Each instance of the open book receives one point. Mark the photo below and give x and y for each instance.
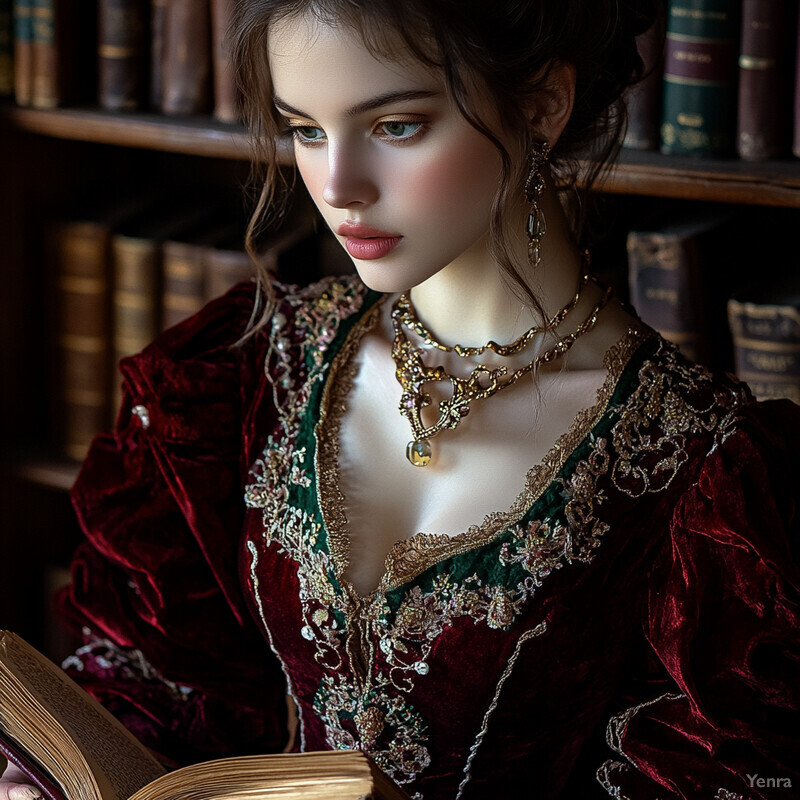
(74, 749)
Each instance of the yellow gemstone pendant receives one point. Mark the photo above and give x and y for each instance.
(419, 453)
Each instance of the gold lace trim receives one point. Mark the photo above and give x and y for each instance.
(326, 432)
(410, 557)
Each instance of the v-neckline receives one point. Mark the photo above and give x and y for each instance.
(410, 557)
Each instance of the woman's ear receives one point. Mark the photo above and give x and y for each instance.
(550, 104)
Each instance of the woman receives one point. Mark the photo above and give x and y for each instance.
(557, 565)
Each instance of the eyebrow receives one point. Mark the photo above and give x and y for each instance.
(364, 105)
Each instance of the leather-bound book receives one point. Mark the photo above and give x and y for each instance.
(764, 92)
(45, 90)
(137, 264)
(22, 13)
(184, 266)
(122, 54)
(84, 327)
(226, 104)
(700, 74)
(89, 747)
(6, 44)
(63, 55)
(765, 323)
(158, 13)
(135, 258)
(81, 248)
(80, 251)
(673, 283)
(643, 99)
(186, 62)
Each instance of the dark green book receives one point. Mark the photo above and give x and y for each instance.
(700, 78)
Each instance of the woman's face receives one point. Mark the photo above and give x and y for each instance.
(401, 178)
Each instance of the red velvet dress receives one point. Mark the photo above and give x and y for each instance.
(629, 627)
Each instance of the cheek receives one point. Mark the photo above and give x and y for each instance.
(458, 184)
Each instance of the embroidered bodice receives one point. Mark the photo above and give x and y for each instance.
(600, 636)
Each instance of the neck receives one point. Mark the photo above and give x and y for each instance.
(471, 301)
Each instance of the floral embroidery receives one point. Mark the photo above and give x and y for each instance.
(673, 399)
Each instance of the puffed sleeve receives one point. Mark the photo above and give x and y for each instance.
(169, 647)
(717, 716)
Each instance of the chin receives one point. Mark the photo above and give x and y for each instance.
(387, 280)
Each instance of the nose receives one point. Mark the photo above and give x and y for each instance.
(350, 181)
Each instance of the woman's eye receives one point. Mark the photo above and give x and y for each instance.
(307, 133)
(400, 130)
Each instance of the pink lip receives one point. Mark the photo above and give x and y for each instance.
(359, 231)
(365, 242)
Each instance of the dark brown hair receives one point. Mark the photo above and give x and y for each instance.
(508, 45)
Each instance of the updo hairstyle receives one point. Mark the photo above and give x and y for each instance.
(508, 45)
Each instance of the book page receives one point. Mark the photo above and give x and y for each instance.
(327, 775)
(65, 729)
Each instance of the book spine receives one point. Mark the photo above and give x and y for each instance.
(121, 54)
(23, 51)
(766, 345)
(225, 94)
(763, 101)
(45, 67)
(136, 267)
(158, 11)
(6, 46)
(184, 281)
(186, 66)
(83, 289)
(663, 290)
(700, 73)
(643, 100)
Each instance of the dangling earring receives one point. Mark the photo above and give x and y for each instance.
(534, 186)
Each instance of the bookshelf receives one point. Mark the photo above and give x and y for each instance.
(198, 136)
(771, 183)
(647, 173)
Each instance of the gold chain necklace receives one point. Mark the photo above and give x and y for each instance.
(403, 311)
(413, 374)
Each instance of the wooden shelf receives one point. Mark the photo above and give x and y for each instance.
(200, 136)
(768, 183)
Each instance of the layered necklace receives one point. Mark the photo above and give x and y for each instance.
(413, 374)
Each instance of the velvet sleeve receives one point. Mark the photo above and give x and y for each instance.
(169, 646)
(717, 715)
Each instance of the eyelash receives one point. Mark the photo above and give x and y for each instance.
(293, 129)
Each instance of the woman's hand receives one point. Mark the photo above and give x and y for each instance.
(14, 786)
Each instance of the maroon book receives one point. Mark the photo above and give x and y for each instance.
(186, 61)
(226, 105)
(764, 99)
(121, 54)
(158, 11)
